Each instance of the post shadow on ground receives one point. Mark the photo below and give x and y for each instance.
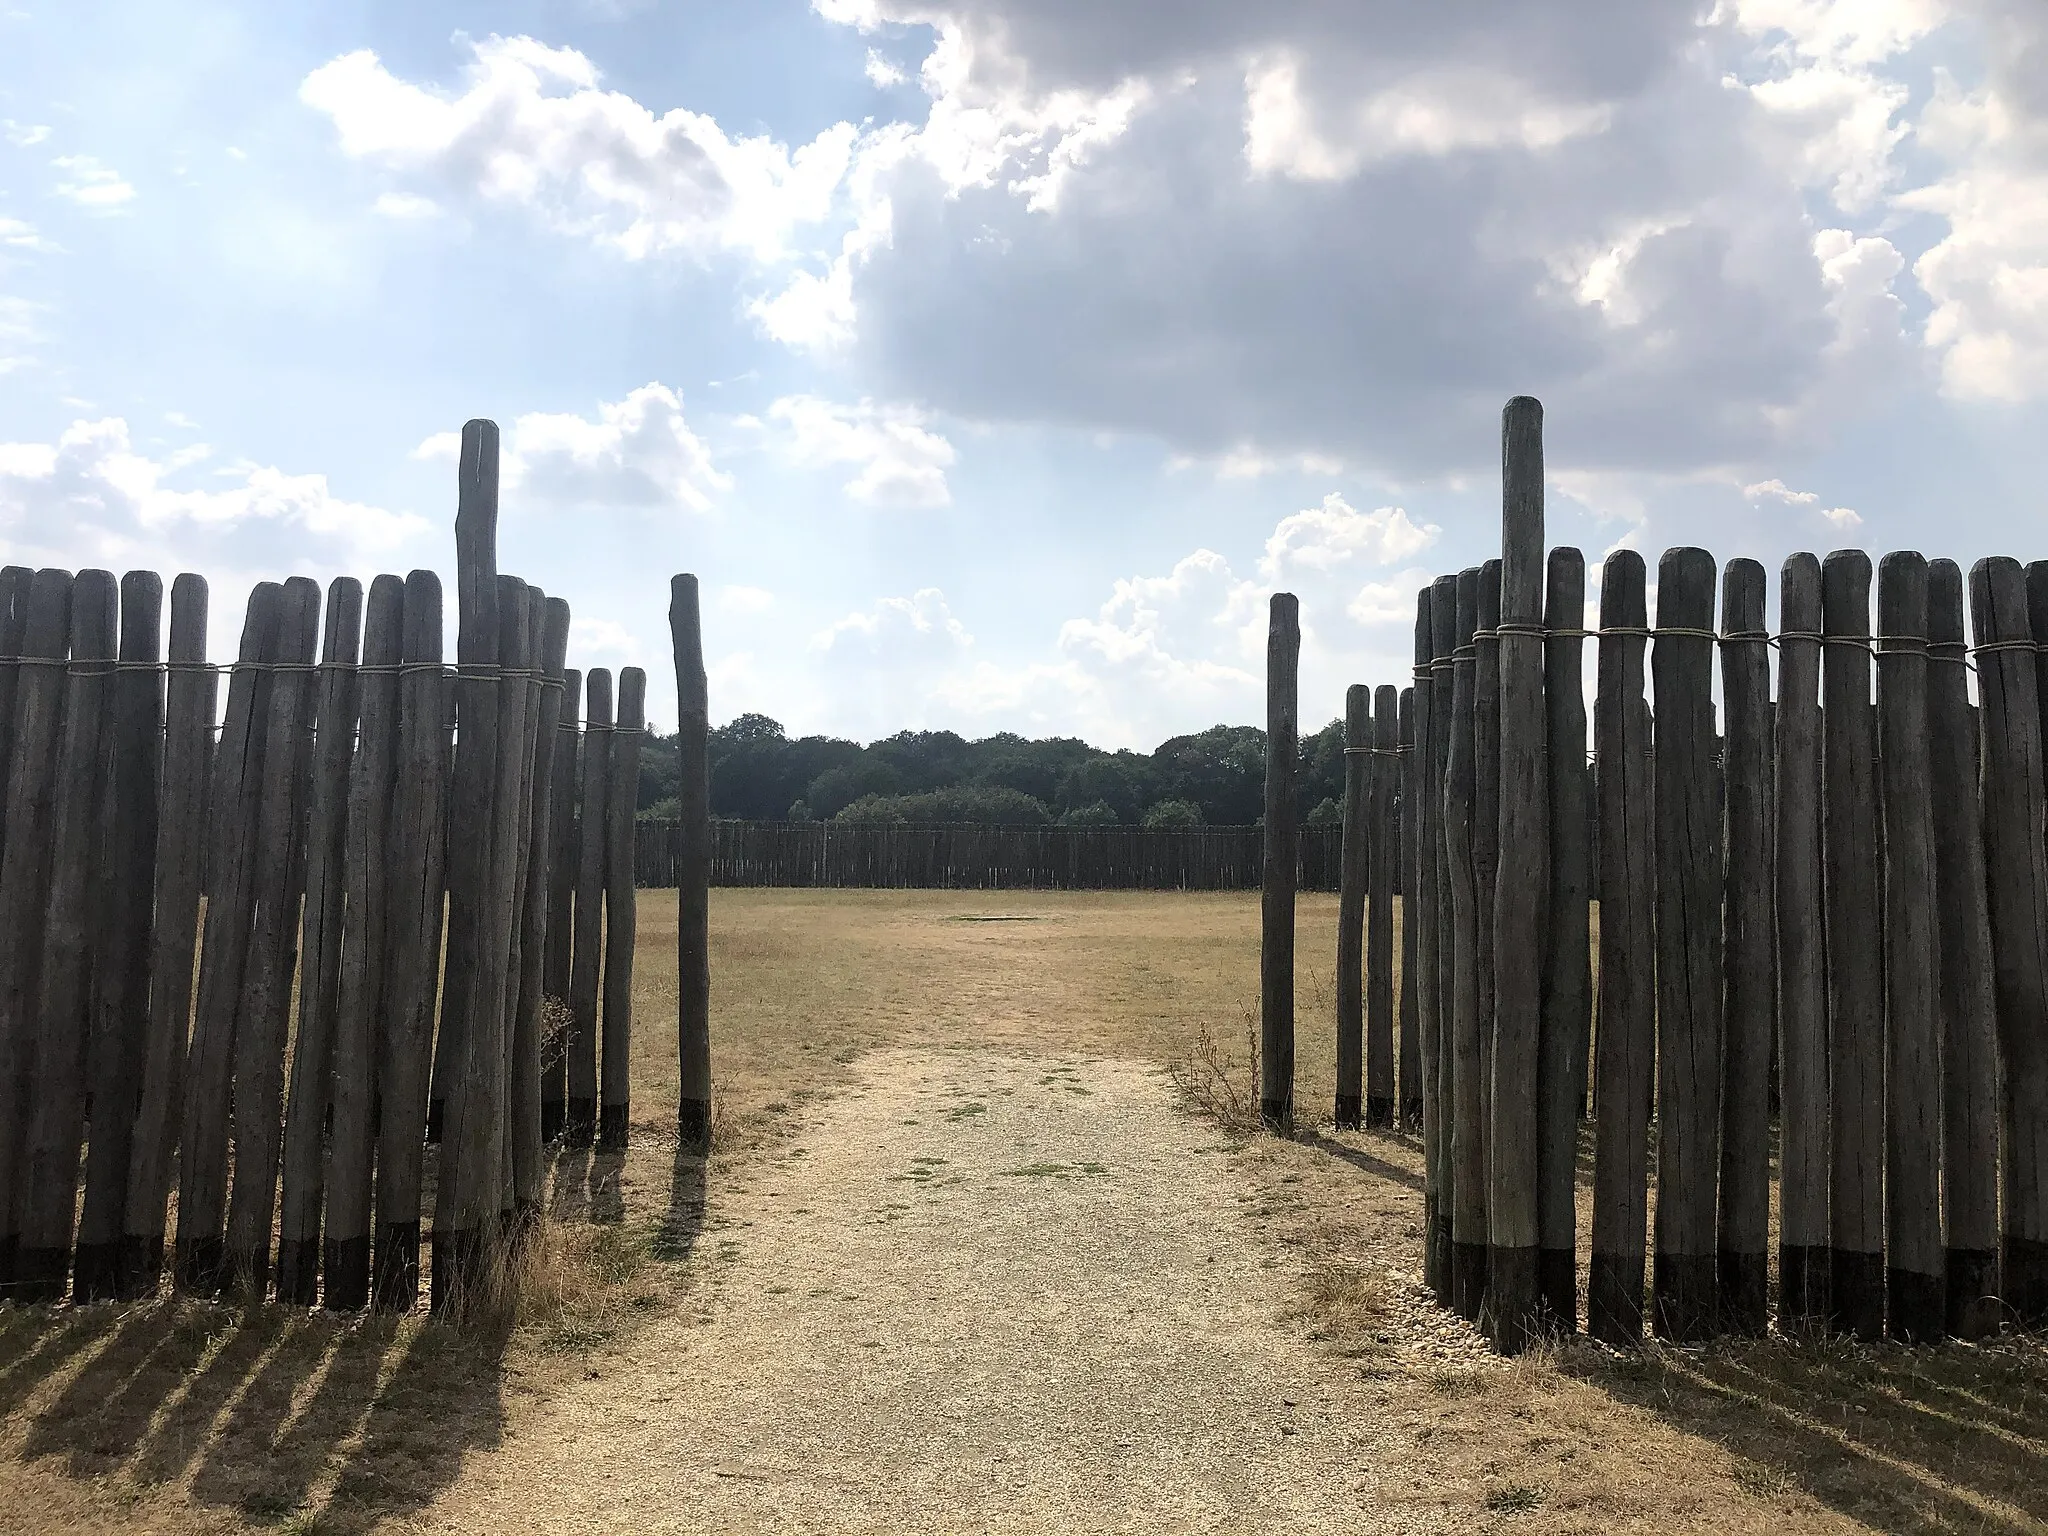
(1361, 1158)
(606, 1198)
(684, 1220)
(1901, 1439)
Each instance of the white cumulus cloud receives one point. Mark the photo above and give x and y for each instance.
(901, 461)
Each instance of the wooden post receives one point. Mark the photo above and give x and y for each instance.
(1969, 1059)
(1567, 969)
(415, 881)
(1443, 619)
(2015, 798)
(1379, 925)
(1803, 1157)
(1276, 908)
(1689, 952)
(263, 1015)
(588, 960)
(1468, 1084)
(1485, 833)
(563, 862)
(25, 883)
(520, 696)
(693, 872)
(133, 750)
(529, 1171)
(1521, 894)
(1419, 916)
(1405, 811)
(57, 1120)
(15, 584)
(192, 695)
(1750, 983)
(1628, 962)
(1357, 856)
(314, 1055)
(371, 785)
(622, 796)
(1916, 1308)
(1855, 954)
(232, 846)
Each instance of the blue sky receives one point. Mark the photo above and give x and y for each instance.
(992, 360)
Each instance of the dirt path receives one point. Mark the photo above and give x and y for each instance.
(979, 1292)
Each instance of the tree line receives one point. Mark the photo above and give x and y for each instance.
(1211, 778)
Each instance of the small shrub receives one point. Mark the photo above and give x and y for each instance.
(1174, 813)
(1218, 1085)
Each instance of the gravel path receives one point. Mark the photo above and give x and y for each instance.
(980, 1292)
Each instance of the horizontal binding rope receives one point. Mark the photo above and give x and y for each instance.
(1901, 645)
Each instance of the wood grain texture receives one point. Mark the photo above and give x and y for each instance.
(693, 883)
(1568, 960)
(1351, 902)
(622, 798)
(1420, 917)
(563, 861)
(1410, 794)
(529, 1171)
(1276, 902)
(1468, 1081)
(587, 962)
(1383, 818)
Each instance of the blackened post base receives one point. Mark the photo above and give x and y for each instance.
(1684, 1297)
(398, 1266)
(553, 1112)
(141, 1262)
(1350, 1114)
(10, 1251)
(40, 1275)
(1514, 1304)
(347, 1266)
(1379, 1113)
(1614, 1299)
(96, 1272)
(1468, 1279)
(1856, 1294)
(1434, 1274)
(298, 1271)
(1557, 1276)
(1974, 1310)
(458, 1265)
(1277, 1116)
(693, 1126)
(2025, 1278)
(1916, 1310)
(580, 1129)
(202, 1266)
(611, 1130)
(248, 1274)
(1802, 1287)
(1745, 1292)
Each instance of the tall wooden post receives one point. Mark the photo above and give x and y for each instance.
(1351, 900)
(622, 796)
(1521, 895)
(1628, 962)
(1419, 916)
(1851, 827)
(416, 881)
(693, 870)
(2015, 799)
(313, 1056)
(1750, 982)
(1379, 923)
(1916, 1308)
(528, 1072)
(1443, 619)
(1969, 1059)
(587, 962)
(1567, 968)
(24, 885)
(372, 788)
(519, 696)
(1468, 1082)
(134, 751)
(192, 694)
(1803, 1157)
(263, 1014)
(15, 584)
(1276, 911)
(1689, 952)
(1410, 1023)
(564, 860)
(1485, 831)
(57, 1121)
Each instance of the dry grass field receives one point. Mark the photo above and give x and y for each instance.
(963, 1259)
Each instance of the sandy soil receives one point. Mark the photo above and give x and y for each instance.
(980, 1292)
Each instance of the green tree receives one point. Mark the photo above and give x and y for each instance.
(1174, 813)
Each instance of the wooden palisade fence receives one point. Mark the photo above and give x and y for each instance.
(350, 856)
(1831, 907)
